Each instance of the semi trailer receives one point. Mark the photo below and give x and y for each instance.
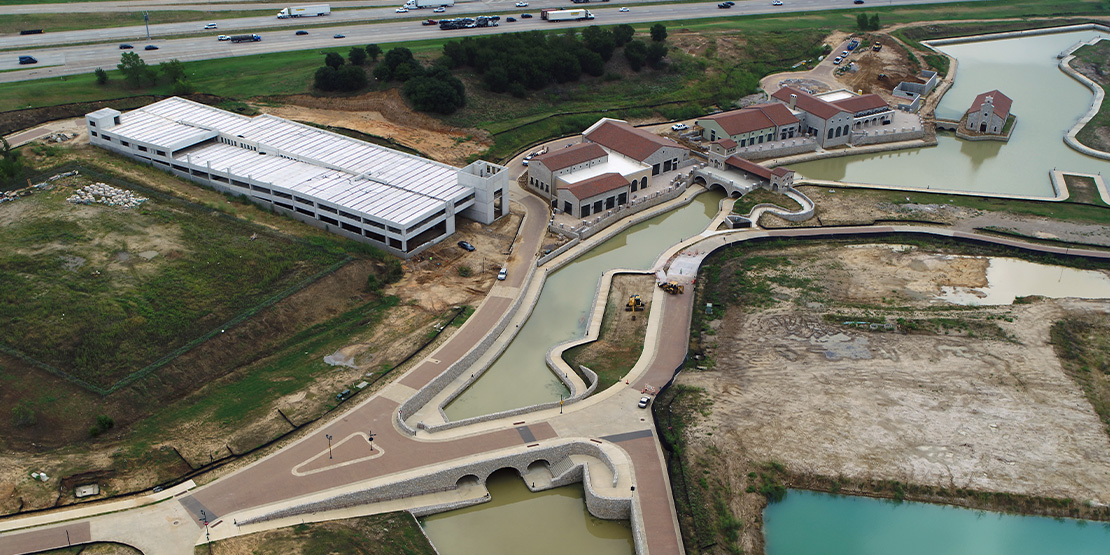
(314, 10)
(565, 15)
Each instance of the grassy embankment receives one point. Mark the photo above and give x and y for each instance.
(384, 534)
(198, 234)
(57, 22)
(1098, 55)
(690, 86)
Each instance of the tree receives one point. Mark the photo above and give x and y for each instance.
(636, 53)
(658, 32)
(623, 33)
(101, 76)
(397, 56)
(373, 51)
(134, 70)
(599, 40)
(351, 78)
(326, 78)
(382, 73)
(497, 79)
(874, 22)
(437, 91)
(861, 22)
(11, 164)
(357, 56)
(656, 51)
(333, 60)
(173, 70)
(592, 63)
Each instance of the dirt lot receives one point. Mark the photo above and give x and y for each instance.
(988, 409)
(622, 335)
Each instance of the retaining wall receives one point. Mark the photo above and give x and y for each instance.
(1096, 103)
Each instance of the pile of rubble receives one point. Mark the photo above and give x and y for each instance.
(102, 193)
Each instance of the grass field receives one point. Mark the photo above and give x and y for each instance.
(80, 296)
(56, 22)
(1098, 55)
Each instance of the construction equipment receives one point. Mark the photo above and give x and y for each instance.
(634, 304)
(671, 287)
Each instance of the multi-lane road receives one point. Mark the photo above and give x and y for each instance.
(78, 52)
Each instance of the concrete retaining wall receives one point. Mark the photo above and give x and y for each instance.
(1016, 34)
(444, 480)
(761, 151)
(551, 255)
(887, 136)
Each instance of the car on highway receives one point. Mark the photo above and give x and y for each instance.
(522, 4)
(623, 9)
(302, 32)
(223, 37)
(125, 47)
(440, 9)
(857, 1)
(504, 273)
(644, 402)
(679, 127)
(776, 3)
(150, 47)
(526, 15)
(429, 22)
(466, 246)
(510, 19)
(210, 26)
(724, 5)
(339, 36)
(24, 60)
(401, 10)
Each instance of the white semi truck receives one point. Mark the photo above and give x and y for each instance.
(305, 11)
(417, 4)
(566, 15)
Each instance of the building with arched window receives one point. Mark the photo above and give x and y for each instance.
(988, 113)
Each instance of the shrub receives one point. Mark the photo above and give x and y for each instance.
(658, 32)
(464, 270)
(357, 56)
(23, 414)
(101, 76)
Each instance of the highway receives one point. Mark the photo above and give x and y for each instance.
(57, 59)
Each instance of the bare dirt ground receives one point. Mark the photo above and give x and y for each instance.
(622, 336)
(988, 412)
(384, 114)
(377, 534)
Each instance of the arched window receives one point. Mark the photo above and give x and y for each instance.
(830, 132)
(838, 131)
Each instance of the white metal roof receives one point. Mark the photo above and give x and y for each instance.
(364, 177)
(616, 163)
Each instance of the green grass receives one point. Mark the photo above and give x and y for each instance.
(107, 317)
(612, 355)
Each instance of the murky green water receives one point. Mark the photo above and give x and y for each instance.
(519, 521)
(1046, 101)
(520, 377)
(1009, 278)
(816, 523)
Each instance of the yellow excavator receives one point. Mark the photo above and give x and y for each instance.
(634, 304)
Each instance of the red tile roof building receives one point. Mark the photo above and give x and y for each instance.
(660, 153)
(752, 125)
(830, 124)
(988, 113)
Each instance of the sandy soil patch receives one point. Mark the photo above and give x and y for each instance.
(385, 114)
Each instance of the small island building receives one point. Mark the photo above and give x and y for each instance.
(988, 113)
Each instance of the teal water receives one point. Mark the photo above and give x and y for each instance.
(1047, 103)
(818, 523)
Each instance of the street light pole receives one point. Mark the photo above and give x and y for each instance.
(146, 20)
(329, 444)
(370, 437)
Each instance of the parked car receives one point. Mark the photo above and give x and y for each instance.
(522, 4)
(844, 54)
(125, 47)
(526, 15)
(623, 9)
(302, 32)
(644, 402)
(466, 246)
(440, 9)
(223, 37)
(401, 10)
(679, 127)
(150, 47)
(210, 26)
(510, 19)
(339, 36)
(837, 60)
(24, 60)
(504, 273)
